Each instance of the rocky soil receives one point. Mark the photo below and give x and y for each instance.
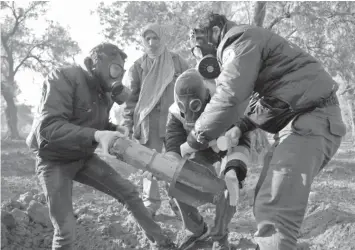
(103, 223)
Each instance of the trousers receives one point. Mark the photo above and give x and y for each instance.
(301, 150)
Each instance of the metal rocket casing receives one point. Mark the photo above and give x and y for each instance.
(190, 182)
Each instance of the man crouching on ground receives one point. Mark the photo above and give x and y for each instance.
(71, 121)
(191, 97)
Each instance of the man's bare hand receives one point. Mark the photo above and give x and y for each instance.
(105, 139)
(186, 150)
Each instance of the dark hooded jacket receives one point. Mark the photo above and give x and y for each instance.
(254, 59)
(72, 108)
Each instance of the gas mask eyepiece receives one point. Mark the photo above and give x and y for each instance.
(116, 71)
(195, 105)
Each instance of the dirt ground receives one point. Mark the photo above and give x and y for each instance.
(103, 223)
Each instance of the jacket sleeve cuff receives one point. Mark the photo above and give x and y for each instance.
(111, 127)
(246, 125)
(90, 137)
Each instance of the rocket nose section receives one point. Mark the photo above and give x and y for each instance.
(196, 184)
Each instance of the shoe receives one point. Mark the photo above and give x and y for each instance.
(190, 241)
(222, 244)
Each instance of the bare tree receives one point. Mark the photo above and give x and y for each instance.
(21, 48)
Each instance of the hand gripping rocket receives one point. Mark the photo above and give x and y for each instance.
(241, 153)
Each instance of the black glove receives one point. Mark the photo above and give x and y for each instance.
(240, 169)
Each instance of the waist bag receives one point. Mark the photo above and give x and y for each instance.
(272, 114)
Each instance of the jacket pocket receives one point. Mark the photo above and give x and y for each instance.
(312, 124)
(82, 112)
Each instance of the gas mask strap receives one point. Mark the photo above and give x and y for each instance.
(223, 32)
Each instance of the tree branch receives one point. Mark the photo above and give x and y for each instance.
(17, 23)
(280, 18)
(19, 18)
(28, 55)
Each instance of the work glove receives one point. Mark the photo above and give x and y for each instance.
(186, 150)
(232, 184)
(234, 175)
(105, 138)
(234, 134)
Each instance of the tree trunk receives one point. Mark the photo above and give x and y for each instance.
(351, 106)
(10, 114)
(259, 13)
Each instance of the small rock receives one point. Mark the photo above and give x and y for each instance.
(25, 198)
(312, 197)
(109, 210)
(20, 215)
(85, 218)
(81, 210)
(40, 198)
(7, 219)
(101, 218)
(39, 213)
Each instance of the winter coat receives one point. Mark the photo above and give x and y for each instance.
(134, 80)
(252, 60)
(72, 108)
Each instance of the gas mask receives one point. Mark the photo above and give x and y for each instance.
(191, 107)
(119, 93)
(191, 96)
(205, 52)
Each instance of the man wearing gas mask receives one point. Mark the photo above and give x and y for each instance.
(190, 99)
(71, 121)
(292, 96)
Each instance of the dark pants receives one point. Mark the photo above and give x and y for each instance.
(193, 221)
(301, 150)
(57, 182)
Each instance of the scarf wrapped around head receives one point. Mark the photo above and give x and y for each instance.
(161, 70)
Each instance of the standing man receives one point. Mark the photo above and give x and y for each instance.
(151, 80)
(292, 97)
(71, 121)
